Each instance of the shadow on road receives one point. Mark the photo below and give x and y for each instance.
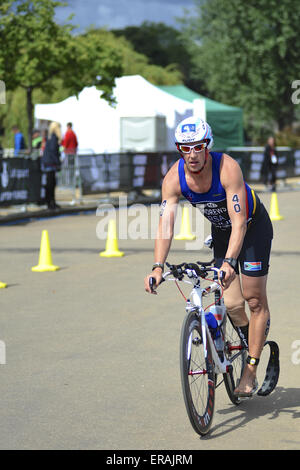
(282, 400)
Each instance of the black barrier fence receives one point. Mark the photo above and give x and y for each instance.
(251, 160)
(126, 172)
(22, 182)
(123, 172)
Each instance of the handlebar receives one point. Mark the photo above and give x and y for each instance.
(178, 271)
(201, 269)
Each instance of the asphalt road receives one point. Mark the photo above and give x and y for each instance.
(92, 361)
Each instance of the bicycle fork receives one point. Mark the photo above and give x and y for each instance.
(221, 367)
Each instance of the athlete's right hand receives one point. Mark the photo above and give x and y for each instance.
(228, 275)
(155, 276)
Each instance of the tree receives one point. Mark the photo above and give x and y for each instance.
(61, 86)
(159, 42)
(136, 63)
(251, 55)
(34, 49)
(164, 47)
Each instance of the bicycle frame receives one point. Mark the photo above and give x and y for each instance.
(196, 305)
(202, 353)
(221, 367)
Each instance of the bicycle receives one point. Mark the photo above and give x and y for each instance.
(209, 348)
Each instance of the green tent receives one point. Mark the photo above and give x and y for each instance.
(226, 121)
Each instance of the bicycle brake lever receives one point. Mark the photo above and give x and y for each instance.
(176, 270)
(195, 267)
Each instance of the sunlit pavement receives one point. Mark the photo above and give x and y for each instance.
(90, 361)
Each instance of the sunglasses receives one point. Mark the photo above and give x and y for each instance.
(188, 148)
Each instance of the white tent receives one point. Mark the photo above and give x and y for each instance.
(97, 124)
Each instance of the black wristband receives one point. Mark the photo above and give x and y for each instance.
(231, 261)
(158, 265)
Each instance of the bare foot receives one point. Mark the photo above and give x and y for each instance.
(248, 383)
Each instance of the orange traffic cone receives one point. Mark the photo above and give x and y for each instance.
(45, 258)
(274, 209)
(111, 248)
(185, 229)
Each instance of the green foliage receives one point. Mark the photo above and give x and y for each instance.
(289, 136)
(164, 47)
(251, 54)
(36, 47)
(135, 63)
(94, 59)
(46, 59)
(13, 113)
(37, 50)
(157, 41)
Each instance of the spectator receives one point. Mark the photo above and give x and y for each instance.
(70, 145)
(270, 163)
(36, 143)
(36, 139)
(51, 163)
(19, 143)
(70, 142)
(44, 140)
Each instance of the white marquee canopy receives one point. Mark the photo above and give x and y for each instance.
(97, 124)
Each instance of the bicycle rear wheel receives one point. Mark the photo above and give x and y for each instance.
(197, 375)
(236, 354)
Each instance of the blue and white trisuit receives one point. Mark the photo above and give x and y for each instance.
(255, 253)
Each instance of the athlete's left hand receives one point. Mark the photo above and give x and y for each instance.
(230, 275)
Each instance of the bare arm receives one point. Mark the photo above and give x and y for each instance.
(170, 197)
(233, 183)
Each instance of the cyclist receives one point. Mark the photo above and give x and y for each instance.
(241, 233)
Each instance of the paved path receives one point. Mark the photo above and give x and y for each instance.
(92, 361)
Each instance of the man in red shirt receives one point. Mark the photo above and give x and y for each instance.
(70, 142)
(70, 145)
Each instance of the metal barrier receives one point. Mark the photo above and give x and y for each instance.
(69, 176)
(66, 176)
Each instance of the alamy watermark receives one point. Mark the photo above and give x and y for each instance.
(2, 92)
(296, 95)
(141, 222)
(2, 353)
(296, 352)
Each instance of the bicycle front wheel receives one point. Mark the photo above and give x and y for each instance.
(197, 375)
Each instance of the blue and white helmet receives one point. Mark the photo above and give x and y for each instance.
(193, 129)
